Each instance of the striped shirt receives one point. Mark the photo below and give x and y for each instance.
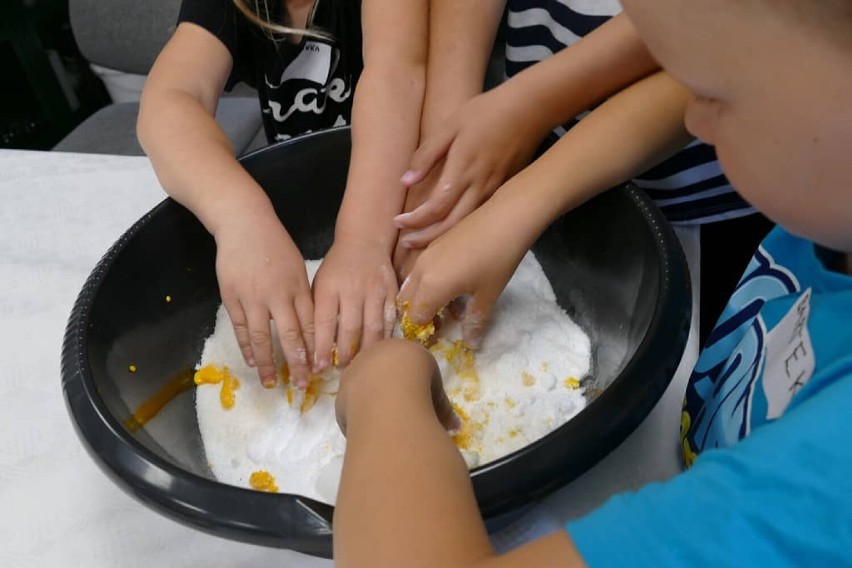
(690, 186)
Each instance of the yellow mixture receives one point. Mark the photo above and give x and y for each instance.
(213, 375)
(262, 480)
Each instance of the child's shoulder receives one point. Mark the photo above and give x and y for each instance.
(780, 340)
(796, 264)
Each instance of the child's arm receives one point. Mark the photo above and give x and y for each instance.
(495, 134)
(261, 273)
(461, 37)
(405, 497)
(357, 282)
(625, 135)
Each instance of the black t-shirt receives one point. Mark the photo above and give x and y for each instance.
(302, 87)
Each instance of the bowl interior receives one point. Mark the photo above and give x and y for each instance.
(609, 263)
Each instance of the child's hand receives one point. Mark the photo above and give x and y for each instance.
(391, 369)
(476, 259)
(261, 276)
(484, 143)
(354, 293)
(405, 257)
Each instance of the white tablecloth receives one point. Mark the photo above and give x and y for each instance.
(59, 214)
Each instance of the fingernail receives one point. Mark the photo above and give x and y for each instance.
(268, 382)
(409, 177)
(251, 362)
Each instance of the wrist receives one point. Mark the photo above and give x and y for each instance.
(235, 211)
(360, 236)
(393, 376)
(513, 98)
(521, 223)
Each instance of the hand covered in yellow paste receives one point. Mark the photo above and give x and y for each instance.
(475, 259)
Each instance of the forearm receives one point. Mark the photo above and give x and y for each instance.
(630, 132)
(571, 81)
(385, 131)
(405, 496)
(193, 159)
(461, 37)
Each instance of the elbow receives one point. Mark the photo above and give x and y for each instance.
(145, 120)
(142, 131)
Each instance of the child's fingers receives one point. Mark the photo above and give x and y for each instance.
(325, 324)
(241, 331)
(305, 314)
(457, 306)
(405, 259)
(389, 315)
(475, 319)
(440, 401)
(261, 343)
(374, 319)
(427, 155)
(435, 208)
(290, 335)
(425, 302)
(349, 330)
(421, 239)
(407, 290)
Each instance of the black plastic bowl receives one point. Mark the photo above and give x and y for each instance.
(614, 263)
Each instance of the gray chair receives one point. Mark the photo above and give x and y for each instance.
(127, 35)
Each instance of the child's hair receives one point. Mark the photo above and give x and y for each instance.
(258, 13)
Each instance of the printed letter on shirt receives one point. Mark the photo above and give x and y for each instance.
(789, 357)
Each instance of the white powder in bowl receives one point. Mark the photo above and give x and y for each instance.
(521, 385)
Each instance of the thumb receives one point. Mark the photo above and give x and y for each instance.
(440, 401)
(430, 152)
(475, 319)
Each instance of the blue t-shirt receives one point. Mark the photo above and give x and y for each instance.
(766, 429)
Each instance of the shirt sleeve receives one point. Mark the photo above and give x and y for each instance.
(782, 496)
(220, 18)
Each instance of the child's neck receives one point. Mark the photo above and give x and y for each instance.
(298, 12)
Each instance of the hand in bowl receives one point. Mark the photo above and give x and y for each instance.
(389, 370)
(478, 148)
(475, 260)
(354, 291)
(261, 277)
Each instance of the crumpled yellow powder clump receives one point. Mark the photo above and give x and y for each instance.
(213, 375)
